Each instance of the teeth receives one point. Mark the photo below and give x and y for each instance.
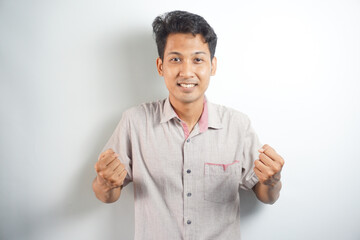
(187, 85)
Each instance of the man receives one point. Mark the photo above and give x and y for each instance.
(186, 157)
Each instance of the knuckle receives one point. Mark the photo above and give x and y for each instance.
(269, 149)
(119, 181)
(104, 174)
(101, 174)
(121, 171)
(123, 175)
(270, 172)
(117, 162)
(277, 168)
(112, 179)
(100, 165)
(282, 161)
(98, 168)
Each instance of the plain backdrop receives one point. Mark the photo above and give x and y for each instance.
(68, 69)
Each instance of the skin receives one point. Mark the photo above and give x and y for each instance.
(187, 61)
(110, 177)
(268, 169)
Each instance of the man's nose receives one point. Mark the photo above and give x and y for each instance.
(186, 69)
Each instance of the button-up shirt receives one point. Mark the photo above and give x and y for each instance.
(186, 184)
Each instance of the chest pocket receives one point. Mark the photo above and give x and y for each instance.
(221, 181)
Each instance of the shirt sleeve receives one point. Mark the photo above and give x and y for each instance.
(250, 154)
(120, 143)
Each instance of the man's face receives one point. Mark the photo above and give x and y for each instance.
(186, 67)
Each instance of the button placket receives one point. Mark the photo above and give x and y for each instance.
(188, 211)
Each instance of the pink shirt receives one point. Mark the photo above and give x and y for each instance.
(186, 185)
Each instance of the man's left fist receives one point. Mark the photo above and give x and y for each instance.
(268, 166)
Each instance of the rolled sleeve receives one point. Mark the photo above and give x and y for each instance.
(120, 143)
(250, 154)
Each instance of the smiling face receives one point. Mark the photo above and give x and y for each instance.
(186, 68)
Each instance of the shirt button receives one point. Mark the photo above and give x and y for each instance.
(188, 171)
(188, 222)
(189, 194)
(188, 140)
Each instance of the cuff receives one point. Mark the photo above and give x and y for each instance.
(250, 183)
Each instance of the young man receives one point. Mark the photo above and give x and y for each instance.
(186, 157)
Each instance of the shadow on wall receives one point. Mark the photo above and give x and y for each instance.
(138, 83)
(145, 83)
(136, 54)
(249, 204)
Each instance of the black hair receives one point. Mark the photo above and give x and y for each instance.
(182, 22)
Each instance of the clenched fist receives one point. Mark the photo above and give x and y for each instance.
(110, 171)
(269, 165)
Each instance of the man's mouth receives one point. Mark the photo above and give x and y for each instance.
(187, 85)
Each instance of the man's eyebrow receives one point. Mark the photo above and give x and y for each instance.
(177, 53)
(199, 53)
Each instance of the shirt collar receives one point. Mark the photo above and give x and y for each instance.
(214, 119)
(168, 112)
(209, 118)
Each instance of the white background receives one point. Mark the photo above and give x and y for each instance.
(68, 70)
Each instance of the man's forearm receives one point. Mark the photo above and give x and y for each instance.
(267, 193)
(104, 193)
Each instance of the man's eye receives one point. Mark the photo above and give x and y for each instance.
(175, 60)
(198, 60)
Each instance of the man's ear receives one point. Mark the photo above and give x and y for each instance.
(213, 66)
(159, 66)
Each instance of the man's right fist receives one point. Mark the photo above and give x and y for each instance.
(110, 171)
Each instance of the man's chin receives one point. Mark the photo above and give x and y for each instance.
(190, 99)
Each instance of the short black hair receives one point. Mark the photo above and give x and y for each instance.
(182, 22)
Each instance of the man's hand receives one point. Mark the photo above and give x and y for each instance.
(110, 171)
(268, 167)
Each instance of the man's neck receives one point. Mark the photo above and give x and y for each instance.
(190, 113)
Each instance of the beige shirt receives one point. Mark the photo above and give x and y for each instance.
(186, 187)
